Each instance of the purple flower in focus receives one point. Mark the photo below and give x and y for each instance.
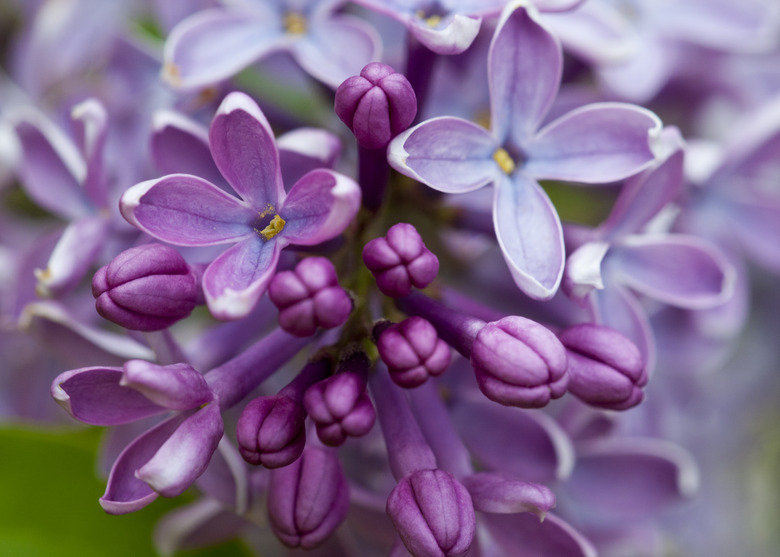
(595, 143)
(187, 210)
(167, 458)
(215, 44)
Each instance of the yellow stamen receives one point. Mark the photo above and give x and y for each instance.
(430, 21)
(294, 23)
(504, 161)
(274, 227)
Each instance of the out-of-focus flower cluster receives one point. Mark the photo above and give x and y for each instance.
(429, 278)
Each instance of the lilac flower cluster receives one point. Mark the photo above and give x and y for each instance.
(422, 269)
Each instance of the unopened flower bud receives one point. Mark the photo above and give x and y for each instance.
(271, 431)
(309, 297)
(606, 369)
(146, 288)
(433, 514)
(376, 105)
(308, 499)
(519, 362)
(412, 351)
(339, 405)
(400, 261)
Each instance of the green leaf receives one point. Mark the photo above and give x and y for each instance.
(50, 504)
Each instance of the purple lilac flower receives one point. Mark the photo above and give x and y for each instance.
(169, 457)
(187, 210)
(679, 270)
(596, 143)
(215, 44)
(478, 452)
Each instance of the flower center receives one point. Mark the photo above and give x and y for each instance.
(504, 160)
(274, 227)
(294, 23)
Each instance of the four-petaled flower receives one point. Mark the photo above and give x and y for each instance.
(597, 143)
(186, 210)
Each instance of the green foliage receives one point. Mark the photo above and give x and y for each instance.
(50, 504)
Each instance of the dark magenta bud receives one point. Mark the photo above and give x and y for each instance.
(308, 499)
(400, 261)
(339, 405)
(271, 431)
(606, 369)
(519, 362)
(376, 105)
(412, 351)
(309, 297)
(146, 288)
(433, 514)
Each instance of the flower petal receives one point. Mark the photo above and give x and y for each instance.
(176, 386)
(454, 36)
(645, 194)
(530, 236)
(617, 308)
(180, 145)
(597, 143)
(84, 342)
(337, 48)
(234, 281)
(524, 72)
(90, 122)
(185, 454)
(305, 149)
(629, 479)
(677, 269)
(212, 45)
(94, 395)
(554, 536)
(320, 206)
(243, 147)
(522, 444)
(187, 211)
(125, 493)
(51, 169)
(448, 154)
(494, 493)
(72, 257)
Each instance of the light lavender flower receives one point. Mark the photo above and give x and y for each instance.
(596, 143)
